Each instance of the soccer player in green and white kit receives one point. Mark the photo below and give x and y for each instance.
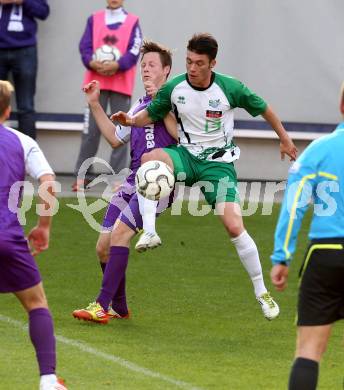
(203, 102)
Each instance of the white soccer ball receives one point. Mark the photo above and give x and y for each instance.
(154, 180)
(106, 53)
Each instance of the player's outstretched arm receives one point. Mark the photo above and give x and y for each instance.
(286, 144)
(106, 127)
(138, 120)
(40, 234)
(171, 125)
(92, 91)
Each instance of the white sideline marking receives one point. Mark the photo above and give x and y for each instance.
(113, 358)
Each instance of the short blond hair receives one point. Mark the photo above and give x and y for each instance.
(6, 90)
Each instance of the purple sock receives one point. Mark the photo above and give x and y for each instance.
(102, 266)
(41, 330)
(119, 301)
(113, 275)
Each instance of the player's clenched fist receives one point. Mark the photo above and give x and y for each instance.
(122, 118)
(92, 91)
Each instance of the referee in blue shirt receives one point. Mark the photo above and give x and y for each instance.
(318, 175)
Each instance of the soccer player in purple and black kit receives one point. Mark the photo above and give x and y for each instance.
(123, 220)
(20, 154)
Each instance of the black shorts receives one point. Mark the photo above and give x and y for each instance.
(321, 294)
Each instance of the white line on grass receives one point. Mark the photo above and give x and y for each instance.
(112, 358)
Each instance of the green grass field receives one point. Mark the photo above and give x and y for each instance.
(195, 324)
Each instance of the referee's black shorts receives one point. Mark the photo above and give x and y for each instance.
(321, 294)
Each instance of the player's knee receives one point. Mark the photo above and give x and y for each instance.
(121, 235)
(152, 155)
(102, 251)
(234, 228)
(146, 157)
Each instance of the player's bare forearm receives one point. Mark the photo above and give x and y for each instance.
(171, 125)
(46, 200)
(270, 116)
(39, 235)
(106, 127)
(138, 120)
(286, 145)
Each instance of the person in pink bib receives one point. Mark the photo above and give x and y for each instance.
(109, 48)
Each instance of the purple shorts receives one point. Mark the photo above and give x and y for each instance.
(18, 269)
(124, 206)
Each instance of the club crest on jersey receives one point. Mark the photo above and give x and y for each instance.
(214, 103)
(181, 100)
(213, 114)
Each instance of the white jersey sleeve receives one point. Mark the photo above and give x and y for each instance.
(36, 165)
(123, 133)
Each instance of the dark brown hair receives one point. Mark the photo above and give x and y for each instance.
(165, 54)
(203, 43)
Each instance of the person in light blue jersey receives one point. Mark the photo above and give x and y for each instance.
(317, 174)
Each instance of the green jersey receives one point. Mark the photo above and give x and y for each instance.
(205, 115)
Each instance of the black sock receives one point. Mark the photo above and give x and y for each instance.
(304, 374)
(103, 266)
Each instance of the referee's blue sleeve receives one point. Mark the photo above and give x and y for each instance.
(296, 201)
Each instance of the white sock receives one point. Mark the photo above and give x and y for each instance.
(248, 254)
(148, 210)
(47, 380)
